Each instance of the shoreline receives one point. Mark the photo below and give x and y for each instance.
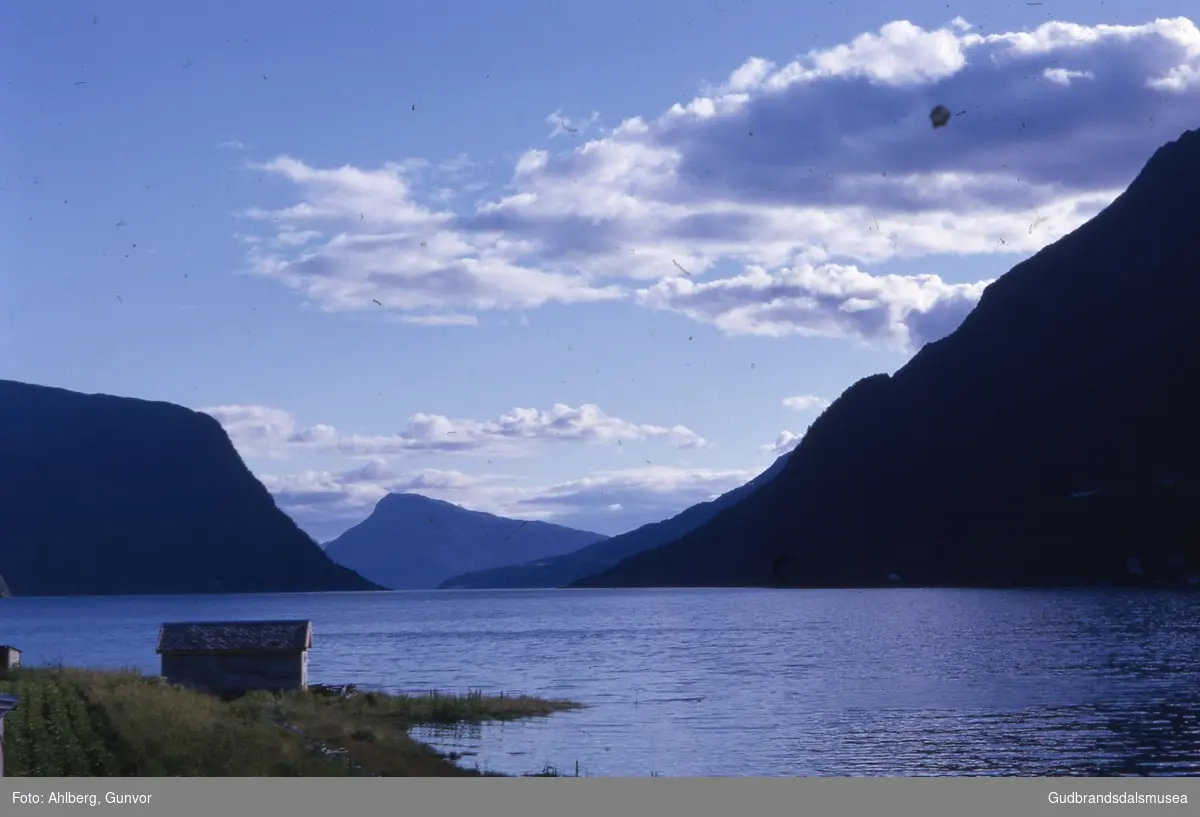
(101, 723)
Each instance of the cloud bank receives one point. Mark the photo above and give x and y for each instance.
(328, 502)
(805, 402)
(760, 205)
(262, 431)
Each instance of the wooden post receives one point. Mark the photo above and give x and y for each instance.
(7, 704)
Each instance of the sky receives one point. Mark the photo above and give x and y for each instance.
(588, 263)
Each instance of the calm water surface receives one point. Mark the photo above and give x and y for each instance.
(737, 682)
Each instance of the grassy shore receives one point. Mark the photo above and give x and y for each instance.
(87, 723)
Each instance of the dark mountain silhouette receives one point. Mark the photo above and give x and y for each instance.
(559, 571)
(1050, 440)
(112, 495)
(412, 542)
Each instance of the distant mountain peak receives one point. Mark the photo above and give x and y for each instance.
(395, 498)
(407, 499)
(411, 541)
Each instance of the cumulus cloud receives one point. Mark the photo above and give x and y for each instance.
(832, 301)
(393, 251)
(775, 190)
(788, 440)
(262, 431)
(328, 502)
(254, 430)
(805, 402)
(785, 442)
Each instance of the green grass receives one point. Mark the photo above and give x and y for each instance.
(75, 723)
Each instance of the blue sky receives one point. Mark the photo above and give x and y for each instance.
(469, 249)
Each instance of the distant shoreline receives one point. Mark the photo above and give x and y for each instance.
(1188, 585)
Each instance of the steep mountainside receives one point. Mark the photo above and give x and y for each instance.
(111, 495)
(559, 571)
(411, 542)
(1049, 440)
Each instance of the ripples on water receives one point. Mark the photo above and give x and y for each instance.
(738, 682)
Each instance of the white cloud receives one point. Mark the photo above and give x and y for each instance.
(287, 237)
(796, 177)
(832, 300)
(805, 402)
(256, 431)
(1179, 79)
(457, 165)
(327, 502)
(785, 442)
(562, 125)
(261, 431)
(1064, 77)
(232, 144)
(395, 252)
(901, 54)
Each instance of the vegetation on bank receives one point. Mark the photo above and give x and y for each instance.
(89, 723)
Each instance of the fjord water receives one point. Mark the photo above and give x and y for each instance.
(736, 682)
